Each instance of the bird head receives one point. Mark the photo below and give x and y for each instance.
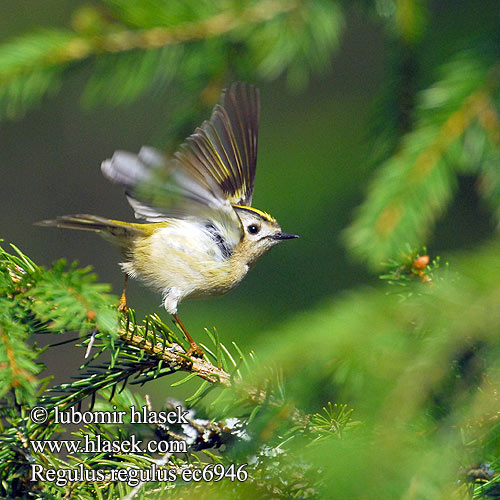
(261, 233)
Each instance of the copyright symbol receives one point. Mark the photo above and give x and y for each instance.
(39, 415)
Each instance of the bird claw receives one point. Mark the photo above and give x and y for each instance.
(195, 351)
(122, 307)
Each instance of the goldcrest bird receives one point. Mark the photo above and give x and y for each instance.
(201, 235)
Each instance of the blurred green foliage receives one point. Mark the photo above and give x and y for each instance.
(137, 46)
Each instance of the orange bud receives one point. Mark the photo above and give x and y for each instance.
(421, 262)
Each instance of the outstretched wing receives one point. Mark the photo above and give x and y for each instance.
(213, 170)
(158, 189)
(224, 148)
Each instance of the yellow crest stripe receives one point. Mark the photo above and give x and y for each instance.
(260, 213)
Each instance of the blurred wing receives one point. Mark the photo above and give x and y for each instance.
(224, 148)
(158, 189)
(213, 170)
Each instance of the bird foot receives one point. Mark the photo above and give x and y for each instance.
(123, 298)
(122, 307)
(195, 351)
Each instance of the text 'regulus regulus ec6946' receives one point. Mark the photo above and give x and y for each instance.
(201, 235)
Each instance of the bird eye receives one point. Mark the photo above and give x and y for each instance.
(253, 229)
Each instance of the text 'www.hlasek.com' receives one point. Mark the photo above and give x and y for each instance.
(157, 471)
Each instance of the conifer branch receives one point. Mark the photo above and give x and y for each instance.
(217, 25)
(18, 375)
(75, 47)
(414, 186)
(428, 159)
(132, 52)
(59, 301)
(175, 356)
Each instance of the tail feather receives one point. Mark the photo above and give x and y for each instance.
(117, 230)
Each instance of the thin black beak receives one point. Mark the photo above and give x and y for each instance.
(285, 236)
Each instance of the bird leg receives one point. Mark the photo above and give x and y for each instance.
(194, 348)
(123, 299)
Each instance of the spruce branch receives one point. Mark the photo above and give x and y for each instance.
(52, 48)
(133, 52)
(427, 339)
(173, 354)
(17, 367)
(216, 25)
(138, 353)
(414, 186)
(141, 353)
(62, 300)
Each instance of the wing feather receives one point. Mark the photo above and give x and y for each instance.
(211, 171)
(225, 147)
(158, 189)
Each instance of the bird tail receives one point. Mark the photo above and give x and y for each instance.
(117, 231)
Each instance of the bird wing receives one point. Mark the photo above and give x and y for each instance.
(159, 189)
(224, 148)
(213, 170)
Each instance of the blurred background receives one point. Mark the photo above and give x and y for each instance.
(379, 133)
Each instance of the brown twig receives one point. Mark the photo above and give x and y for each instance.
(175, 356)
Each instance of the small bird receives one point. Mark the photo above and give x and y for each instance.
(201, 235)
